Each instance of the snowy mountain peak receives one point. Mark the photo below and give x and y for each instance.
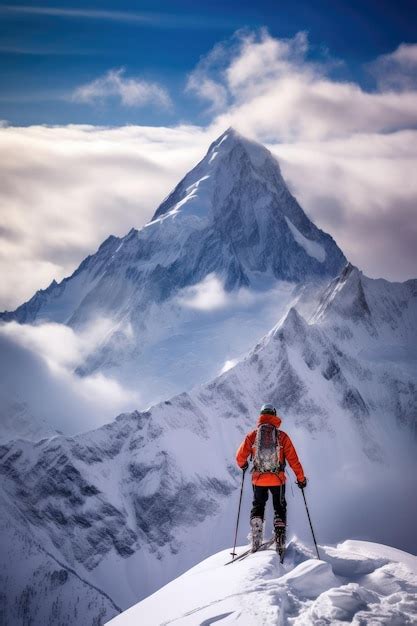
(232, 140)
(230, 160)
(237, 195)
(230, 225)
(344, 295)
(294, 325)
(232, 215)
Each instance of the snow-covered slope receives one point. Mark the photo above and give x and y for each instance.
(356, 582)
(36, 588)
(18, 422)
(133, 504)
(222, 254)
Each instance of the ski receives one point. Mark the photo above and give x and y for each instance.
(264, 546)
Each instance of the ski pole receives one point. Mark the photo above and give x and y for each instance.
(311, 525)
(238, 514)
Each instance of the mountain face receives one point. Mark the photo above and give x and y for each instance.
(230, 228)
(130, 506)
(355, 582)
(36, 588)
(232, 215)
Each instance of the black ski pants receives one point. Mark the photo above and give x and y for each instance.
(260, 497)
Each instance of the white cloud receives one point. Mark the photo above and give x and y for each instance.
(208, 89)
(362, 190)
(208, 295)
(132, 92)
(200, 82)
(38, 371)
(397, 70)
(276, 92)
(261, 58)
(66, 189)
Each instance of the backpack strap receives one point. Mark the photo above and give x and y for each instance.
(281, 467)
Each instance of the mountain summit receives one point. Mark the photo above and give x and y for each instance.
(232, 214)
(230, 226)
(255, 224)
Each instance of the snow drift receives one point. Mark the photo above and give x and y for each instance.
(356, 582)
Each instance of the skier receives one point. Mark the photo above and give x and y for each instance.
(269, 448)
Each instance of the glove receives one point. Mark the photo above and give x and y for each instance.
(302, 483)
(245, 467)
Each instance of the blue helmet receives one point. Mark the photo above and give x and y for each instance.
(268, 408)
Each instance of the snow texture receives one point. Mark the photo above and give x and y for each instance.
(37, 588)
(355, 582)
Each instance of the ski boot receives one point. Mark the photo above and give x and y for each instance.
(257, 525)
(279, 530)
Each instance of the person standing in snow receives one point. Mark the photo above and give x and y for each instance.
(269, 448)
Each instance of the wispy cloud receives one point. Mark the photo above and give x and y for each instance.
(162, 20)
(132, 92)
(35, 50)
(96, 14)
(202, 81)
(396, 70)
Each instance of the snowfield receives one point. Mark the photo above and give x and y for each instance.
(356, 582)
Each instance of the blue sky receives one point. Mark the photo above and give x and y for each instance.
(49, 49)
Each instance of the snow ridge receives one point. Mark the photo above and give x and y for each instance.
(356, 582)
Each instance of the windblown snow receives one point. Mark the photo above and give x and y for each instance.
(355, 582)
(312, 248)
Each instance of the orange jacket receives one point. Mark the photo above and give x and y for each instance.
(287, 453)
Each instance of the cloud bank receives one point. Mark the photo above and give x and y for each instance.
(37, 373)
(349, 156)
(65, 189)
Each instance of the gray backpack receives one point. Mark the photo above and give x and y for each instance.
(267, 450)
